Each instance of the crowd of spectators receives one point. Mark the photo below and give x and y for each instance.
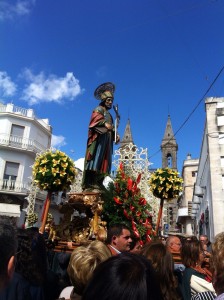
(121, 267)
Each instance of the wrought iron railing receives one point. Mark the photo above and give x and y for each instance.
(15, 186)
(20, 143)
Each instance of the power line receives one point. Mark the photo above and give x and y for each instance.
(194, 109)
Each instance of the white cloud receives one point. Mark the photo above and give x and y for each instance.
(18, 8)
(51, 88)
(79, 163)
(57, 141)
(7, 86)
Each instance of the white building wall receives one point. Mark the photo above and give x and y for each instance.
(210, 173)
(25, 161)
(215, 153)
(39, 136)
(36, 137)
(5, 126)
(190, 167)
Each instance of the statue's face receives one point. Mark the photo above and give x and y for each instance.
(108, 103)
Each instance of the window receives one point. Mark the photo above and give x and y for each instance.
(194, 173)
(11, 170)
(17, 130)
(169, 160)
(16, 137)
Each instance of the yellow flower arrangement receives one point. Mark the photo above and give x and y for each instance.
(165, 183)
(53, 171)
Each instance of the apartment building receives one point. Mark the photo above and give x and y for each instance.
(22, 136)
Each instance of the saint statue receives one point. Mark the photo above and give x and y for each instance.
(101, 136)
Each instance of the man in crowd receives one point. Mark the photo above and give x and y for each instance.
(173, 245)
(8, 242)
(118, 239)
(206, 244)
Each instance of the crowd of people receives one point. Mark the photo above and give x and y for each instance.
(121, 268)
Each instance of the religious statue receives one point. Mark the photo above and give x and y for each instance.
(101, 136)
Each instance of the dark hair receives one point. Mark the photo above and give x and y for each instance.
(8, 242)
(190, 253)
(135, 243)
(31, 259)
(115, 230)
(121, 277)
(162, 262)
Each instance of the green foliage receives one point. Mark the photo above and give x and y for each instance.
(165, 183)
(53, 171)
(125, 204)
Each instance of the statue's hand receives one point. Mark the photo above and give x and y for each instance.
(117, 139)
(108, 126)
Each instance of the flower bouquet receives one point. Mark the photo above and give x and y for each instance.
(126, 205)
(165, 184)
(53, 171)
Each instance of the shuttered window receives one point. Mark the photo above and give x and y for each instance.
(11, 170)
(17, 130)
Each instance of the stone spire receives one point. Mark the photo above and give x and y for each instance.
(127, 138)
(169, 147)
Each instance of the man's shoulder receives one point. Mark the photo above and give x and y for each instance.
(113, 250)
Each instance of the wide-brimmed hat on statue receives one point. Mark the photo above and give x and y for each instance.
(104, 91)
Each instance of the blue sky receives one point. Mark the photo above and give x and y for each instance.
(162, 55)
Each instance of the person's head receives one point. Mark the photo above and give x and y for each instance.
(107, 103)
(31, 260)
(105, 93)
(173, 244)
(119, 236)
(192, 253)
(136, 245)
(8, 242)
(160, 258)
(217, 263)
(121, 277)
(83, 262)
(203, 239)
(162, 262)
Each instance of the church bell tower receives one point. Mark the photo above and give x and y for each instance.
(127, 138)
(169, 147)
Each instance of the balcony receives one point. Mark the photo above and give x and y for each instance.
(18, 142)
(11, 108)
(13, 186)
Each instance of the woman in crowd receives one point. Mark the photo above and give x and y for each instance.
(163, 264)
(217, 265)
(83, 261)
(30, 269)
(136, 245)
(124, 276)
(195, 278)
